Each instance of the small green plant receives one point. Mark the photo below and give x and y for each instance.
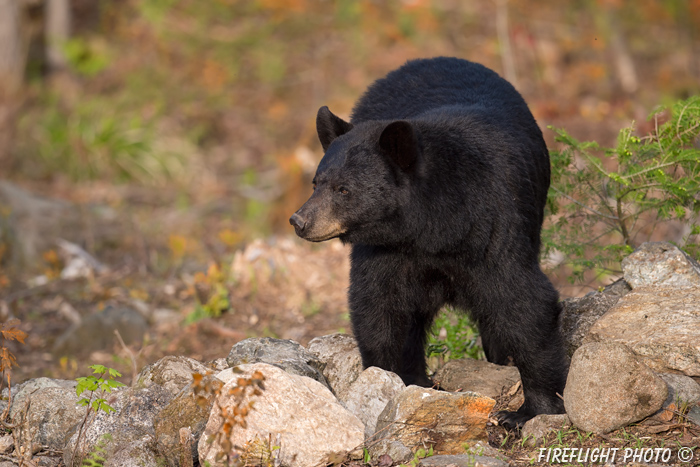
(604, 202)
(421, 453)
(86, 57)
(99, 139)
(453, 336)
(212, 294)
(97, 456)
(97, 386)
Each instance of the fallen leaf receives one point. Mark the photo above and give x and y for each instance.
(667, 414)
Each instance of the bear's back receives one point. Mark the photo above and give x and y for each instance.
(428, 84)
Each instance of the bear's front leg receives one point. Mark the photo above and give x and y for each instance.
(390, 312)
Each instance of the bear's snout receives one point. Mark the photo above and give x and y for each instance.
(298, 222)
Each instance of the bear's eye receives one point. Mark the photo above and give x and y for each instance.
(343, 191)
(314, 185)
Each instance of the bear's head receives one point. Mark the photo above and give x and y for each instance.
(362, 180)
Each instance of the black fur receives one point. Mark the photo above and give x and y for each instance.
(439, 183)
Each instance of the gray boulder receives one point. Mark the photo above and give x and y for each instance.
(660, 324)
(129, 426)
(185, 411)
(368, 395)
(683, 391)
(171, 373)
(609, 387)
(579, 314)
(477, 376)
(681, 388)
(660, 264)
(341, 358)
(288, 355)
(46, 411)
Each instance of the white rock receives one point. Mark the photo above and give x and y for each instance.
(299, 414)
(661, 324)
(609, 387)
(342, 358)
(369, 393)
(660, 264)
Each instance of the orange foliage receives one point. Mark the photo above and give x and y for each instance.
(9, 331)
(54, 264)
(213, 76)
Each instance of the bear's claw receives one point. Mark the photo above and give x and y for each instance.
(512, 420)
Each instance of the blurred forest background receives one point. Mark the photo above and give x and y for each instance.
(160, 138)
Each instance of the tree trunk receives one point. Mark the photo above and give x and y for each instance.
(12, 48)
(12, 63)
(58, 25)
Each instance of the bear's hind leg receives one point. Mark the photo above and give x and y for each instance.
(524, 326)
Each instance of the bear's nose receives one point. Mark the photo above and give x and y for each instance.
(298, 222)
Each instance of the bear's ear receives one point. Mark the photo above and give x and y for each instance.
(329, 126)
(399, 143)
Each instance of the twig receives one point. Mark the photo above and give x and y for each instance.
(504, 41)
(573, 200)
(6, 412)
(134, 371)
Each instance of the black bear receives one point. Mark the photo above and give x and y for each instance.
(439, 183)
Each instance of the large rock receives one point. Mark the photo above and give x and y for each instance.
(683, 391)
(299, 414)
(138, 453)
(341, 357)
(286, 354)
(172, 373)
(130, 427)
(187, 411)
(21, 393)
(681, 388)
(418, 417)
(660, 264)
(45, 412)
(477, 376)
(579, 314)
(609, 387)
(662, 324)
(368, 395)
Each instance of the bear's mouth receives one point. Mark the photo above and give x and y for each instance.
(321, 233)
(324, 237)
